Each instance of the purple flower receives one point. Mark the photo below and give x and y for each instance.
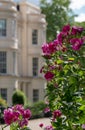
(27, 114)
(49, 128)
(60, 38)
(8, 116)
(52, 47)
(23, 123)
(83, 126)
(66, 29)
(49, 75)
(76, 30)
(45, 49)
(76, 43)
(47, 110)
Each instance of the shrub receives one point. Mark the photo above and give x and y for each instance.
(64, 70)
(3, 105)
(18, 98)
(37, 109)
(3, 102)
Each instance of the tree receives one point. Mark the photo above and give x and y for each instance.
(57, 14)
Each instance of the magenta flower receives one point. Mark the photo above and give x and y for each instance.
(23, 123)
(66, 29)
(17, 115)
(27, 114)
(56, 113)
(41, 125)
(52, 47)
(45, 49)
(76, 43)
(76, 30)
(60, 38)
(9, 116)
(49, 75)
(19, 108)
(47, 110)
(49, 128)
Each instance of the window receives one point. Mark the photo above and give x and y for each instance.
(35, 95)
(3, 93)
(2, 27)
(3, 62)
(35, 66)
(34, 36)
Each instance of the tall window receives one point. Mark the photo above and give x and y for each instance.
(3, 93)
(34, 36)
(35, 95)
(35, 66)
(3, 62)
(2, 27)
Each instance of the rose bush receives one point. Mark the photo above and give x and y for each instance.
(17, 118)
(64, 70)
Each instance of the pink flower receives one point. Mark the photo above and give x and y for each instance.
(83, 126)
(49, 128)
(56, 113)
(66, 29)
(27, 113)
(9, 116)
(45, 49)
(60, 38)
(76, 30)
(76, 43)
(19, 108)
(23, 123)
(52, 47)
(49, 76)
(47, 110)
(41, 125)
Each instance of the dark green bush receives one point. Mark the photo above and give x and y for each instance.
(18, 97)
(37, 109)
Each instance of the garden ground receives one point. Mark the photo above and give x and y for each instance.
(34, 124)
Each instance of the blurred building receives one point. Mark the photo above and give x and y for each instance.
(22, 32)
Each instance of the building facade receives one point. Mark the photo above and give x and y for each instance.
(22, 32)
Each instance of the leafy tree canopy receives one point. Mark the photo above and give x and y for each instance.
(57, 14)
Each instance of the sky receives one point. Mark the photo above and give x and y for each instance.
(78, 7)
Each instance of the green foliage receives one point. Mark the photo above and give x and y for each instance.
(57, 14)
(3, 102)
(66, 89)
(18, 98)
(37, 109)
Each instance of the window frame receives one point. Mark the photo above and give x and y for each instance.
(35, 95)
(3, 62)
(3, 95)
(35, 66)
(34, 37)
(3, 29)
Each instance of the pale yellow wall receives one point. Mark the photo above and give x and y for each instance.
(19, 70)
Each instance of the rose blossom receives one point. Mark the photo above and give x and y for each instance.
(47, 110)
(49, 76)
(56, 113)
(41, 125)
(76, 43)
(9, 116)
(27, 113)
